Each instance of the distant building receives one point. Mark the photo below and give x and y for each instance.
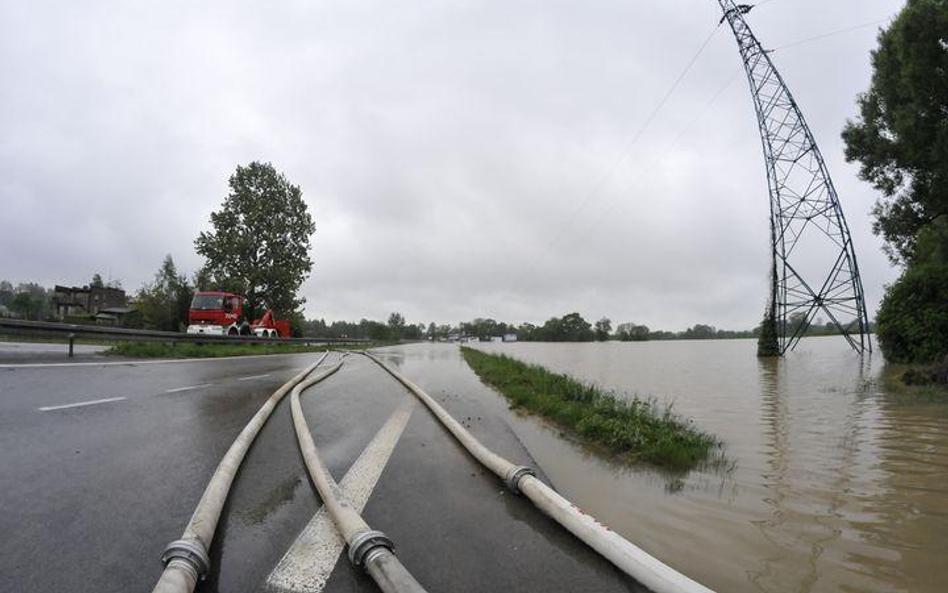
(113, 315)
(496, 339)
(510, 337)
(87, 301)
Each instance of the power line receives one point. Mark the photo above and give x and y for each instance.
(664, 152)
(832, 34)
(762, 2)
(669, 146)
(625, 153)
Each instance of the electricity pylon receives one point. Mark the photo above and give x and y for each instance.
(814, 270)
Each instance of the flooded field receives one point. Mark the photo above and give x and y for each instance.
(836, 485)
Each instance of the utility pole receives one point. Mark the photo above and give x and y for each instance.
(814, 265)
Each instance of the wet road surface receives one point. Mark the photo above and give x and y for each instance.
(39, 352)
(102, 466)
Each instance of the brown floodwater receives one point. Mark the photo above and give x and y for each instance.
(835, 484)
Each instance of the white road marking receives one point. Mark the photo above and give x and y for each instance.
(306, 566)
(252, 377)
(80, 404)
(188, 388)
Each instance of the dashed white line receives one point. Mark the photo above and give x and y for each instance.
(134, 363)
(188, 388)
(252, 377)
(81, 404)
(306, 566)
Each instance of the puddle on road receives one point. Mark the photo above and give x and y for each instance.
(281, 494)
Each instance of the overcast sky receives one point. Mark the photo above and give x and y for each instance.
(444, 148)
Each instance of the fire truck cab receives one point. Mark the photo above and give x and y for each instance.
(219, 313)
(222, 313)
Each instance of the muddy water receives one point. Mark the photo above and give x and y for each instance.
(836, 484)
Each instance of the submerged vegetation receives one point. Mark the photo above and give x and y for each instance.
(767, 343)
(915, 384)
(636, 428)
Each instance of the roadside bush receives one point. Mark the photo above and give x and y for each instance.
(912, 323)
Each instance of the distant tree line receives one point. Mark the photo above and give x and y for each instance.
(568, 328)
(366, 329)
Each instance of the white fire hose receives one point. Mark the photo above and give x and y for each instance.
(625, 555)
(368, 549)
(186, 560)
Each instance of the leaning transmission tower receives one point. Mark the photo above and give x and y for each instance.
(814, 271)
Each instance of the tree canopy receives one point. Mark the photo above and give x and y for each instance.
(901, 136)
(260, 242)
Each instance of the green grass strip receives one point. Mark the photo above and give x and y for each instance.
(638, 429)
(192, 350)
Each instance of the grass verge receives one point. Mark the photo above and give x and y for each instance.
(635, 428)
(192, 350)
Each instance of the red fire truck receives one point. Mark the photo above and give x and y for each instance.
(222, 313)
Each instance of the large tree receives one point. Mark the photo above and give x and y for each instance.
(901, 142)
(901, 136)
(261, 239)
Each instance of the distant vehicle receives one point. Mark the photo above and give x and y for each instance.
(222, 313)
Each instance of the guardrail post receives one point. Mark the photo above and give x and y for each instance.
(72, 338)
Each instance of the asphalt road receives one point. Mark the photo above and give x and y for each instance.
(37, 352)
(92, 493)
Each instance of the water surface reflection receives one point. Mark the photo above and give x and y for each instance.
(837, 485)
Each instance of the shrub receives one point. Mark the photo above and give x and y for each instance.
(912, 323)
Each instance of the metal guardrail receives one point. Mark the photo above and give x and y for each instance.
(72, 331)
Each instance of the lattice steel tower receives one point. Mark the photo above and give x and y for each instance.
(814, 264)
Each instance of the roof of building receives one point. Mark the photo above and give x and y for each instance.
(116, 310)
(60, 288)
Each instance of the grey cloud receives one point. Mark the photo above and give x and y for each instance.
(441, 146)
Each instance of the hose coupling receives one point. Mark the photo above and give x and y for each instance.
(191, 551)
(364, 543)
(515, 474)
